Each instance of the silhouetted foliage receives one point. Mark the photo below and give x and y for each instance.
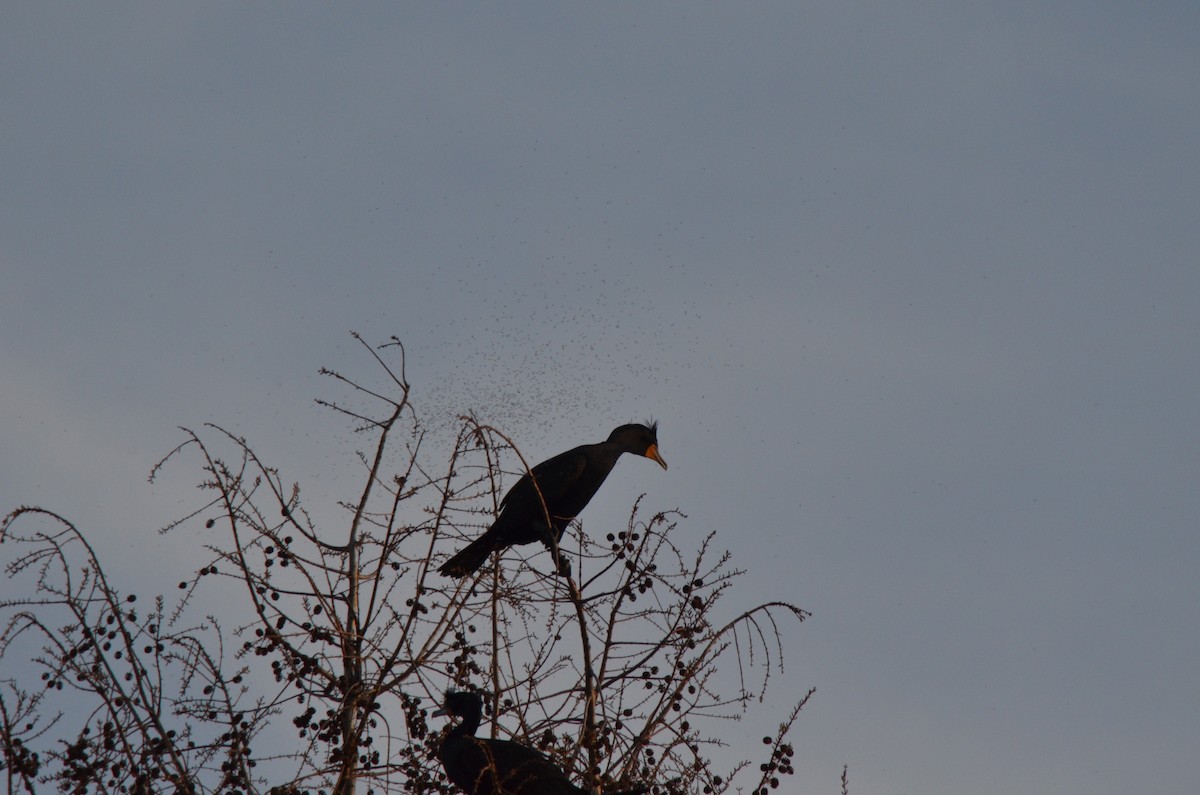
(346, 637)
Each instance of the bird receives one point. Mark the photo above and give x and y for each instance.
(484, 766)
(557, 488)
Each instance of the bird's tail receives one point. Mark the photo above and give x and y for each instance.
(469, 558)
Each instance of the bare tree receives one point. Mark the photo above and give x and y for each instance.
(347, 637)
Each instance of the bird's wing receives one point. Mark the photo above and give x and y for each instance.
(527, 771)
(504, 767)
(555, 477)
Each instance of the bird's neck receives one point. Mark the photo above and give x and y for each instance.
(468, 725)
(611, 451)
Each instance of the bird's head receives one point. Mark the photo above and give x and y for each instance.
(460, 704)
(639, 438)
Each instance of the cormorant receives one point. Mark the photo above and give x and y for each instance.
(566, 482)
(481, 766)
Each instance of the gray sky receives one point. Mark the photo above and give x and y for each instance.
(912, 288)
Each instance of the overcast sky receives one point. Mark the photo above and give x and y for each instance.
(912, 288)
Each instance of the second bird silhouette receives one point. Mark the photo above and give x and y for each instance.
(484, 766)
(559, 489)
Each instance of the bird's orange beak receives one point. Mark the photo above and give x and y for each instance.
(652, 453)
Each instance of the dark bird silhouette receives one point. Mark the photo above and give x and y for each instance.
(559, 489)
(480, 766)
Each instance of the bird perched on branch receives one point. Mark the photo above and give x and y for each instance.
(482, 766)
(540, 507)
